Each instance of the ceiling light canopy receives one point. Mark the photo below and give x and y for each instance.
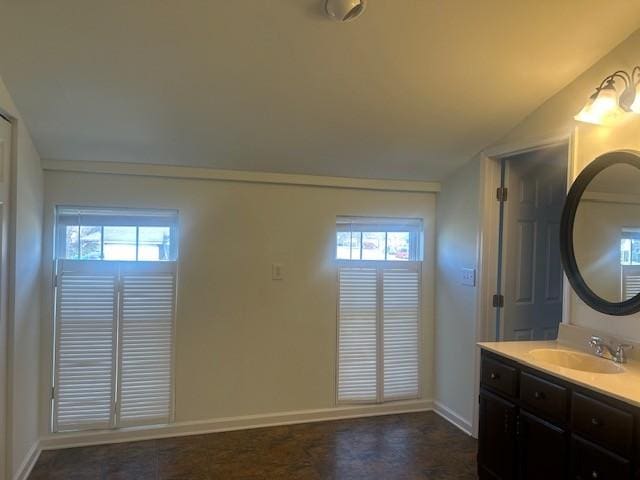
(618, 93)
(345, 10)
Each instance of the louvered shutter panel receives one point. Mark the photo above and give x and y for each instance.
(86, 304)
(357, 336)
(401, 321)
(630, 281)
(146, 344)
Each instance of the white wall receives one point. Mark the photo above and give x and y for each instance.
(24, 328)
(552, 118)
(590, 141)
(458, 226)
(246, 344)
(597, 250)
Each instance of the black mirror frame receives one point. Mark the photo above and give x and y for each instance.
(567, 254)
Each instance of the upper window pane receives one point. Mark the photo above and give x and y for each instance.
(90, 243)
(373, 245)
(154, 243)
(378, 239)
(120, 243)
(116, 234)
(72, 241)
(343, 242)
(398, 244)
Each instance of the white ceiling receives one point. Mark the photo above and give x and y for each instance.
(411, 90)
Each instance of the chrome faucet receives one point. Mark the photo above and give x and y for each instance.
(602, 349)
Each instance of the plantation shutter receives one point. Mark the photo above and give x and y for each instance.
(630, 281)
(401, 321)
(85, 339)
(379, 331)
(357, 334)
(146, 343)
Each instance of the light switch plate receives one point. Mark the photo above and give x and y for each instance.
(468, 277)
(277, 271)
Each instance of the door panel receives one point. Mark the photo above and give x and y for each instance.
(532, 271)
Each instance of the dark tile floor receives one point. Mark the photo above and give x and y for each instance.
(394, 447)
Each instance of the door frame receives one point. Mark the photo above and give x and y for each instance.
(487, 242)
(6, 349)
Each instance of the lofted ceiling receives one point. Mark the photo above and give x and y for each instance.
(411, 90)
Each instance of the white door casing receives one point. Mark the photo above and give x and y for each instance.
(5, 180)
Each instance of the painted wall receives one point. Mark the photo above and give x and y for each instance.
(598, 249)
(455, 308)
(457, 233)
(24, 328)
(590, 141)
(246, 344)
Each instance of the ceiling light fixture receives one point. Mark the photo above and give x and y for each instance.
(345, 10)
(608, 103)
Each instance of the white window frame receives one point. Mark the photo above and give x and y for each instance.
(110, 216)
(121, 267)
(415, 226)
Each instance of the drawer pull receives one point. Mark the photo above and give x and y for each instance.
(595, 422)
(494, 376)
(538, 395)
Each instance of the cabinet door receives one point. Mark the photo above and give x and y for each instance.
(496, 438)
(542, 449)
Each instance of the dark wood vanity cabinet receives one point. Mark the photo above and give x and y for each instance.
(536, 427)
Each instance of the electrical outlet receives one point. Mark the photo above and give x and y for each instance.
(469, 277)
(277, 271)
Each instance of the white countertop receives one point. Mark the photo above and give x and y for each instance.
(624, 386)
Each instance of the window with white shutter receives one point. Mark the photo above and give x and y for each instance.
(114, 319)
(630, 281)
(379, 304)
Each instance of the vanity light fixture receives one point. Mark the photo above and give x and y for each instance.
(608, 102)
(345, 10)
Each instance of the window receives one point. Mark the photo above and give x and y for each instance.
(114, 318)
(630, 262)
(630, 246)
(116, 234)
(379, 302)
(359, 238)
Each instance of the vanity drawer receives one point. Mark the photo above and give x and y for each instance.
(602, 423)
(543, 397)
(588, 461)
(499, 376)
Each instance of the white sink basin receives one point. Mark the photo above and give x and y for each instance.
(575, 360)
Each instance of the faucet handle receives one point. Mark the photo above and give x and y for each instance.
(621, 352)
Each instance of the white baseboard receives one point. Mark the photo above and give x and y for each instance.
(66, 440)
(28, 463)
(453, 417)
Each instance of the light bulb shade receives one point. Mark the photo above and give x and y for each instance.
(635, 106)
(602, 107)
(345, 10)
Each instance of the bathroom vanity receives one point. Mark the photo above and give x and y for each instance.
(557, 409)
(540, 420)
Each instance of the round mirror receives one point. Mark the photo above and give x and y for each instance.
(600, 234)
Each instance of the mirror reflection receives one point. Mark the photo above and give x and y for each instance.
(607, 233)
